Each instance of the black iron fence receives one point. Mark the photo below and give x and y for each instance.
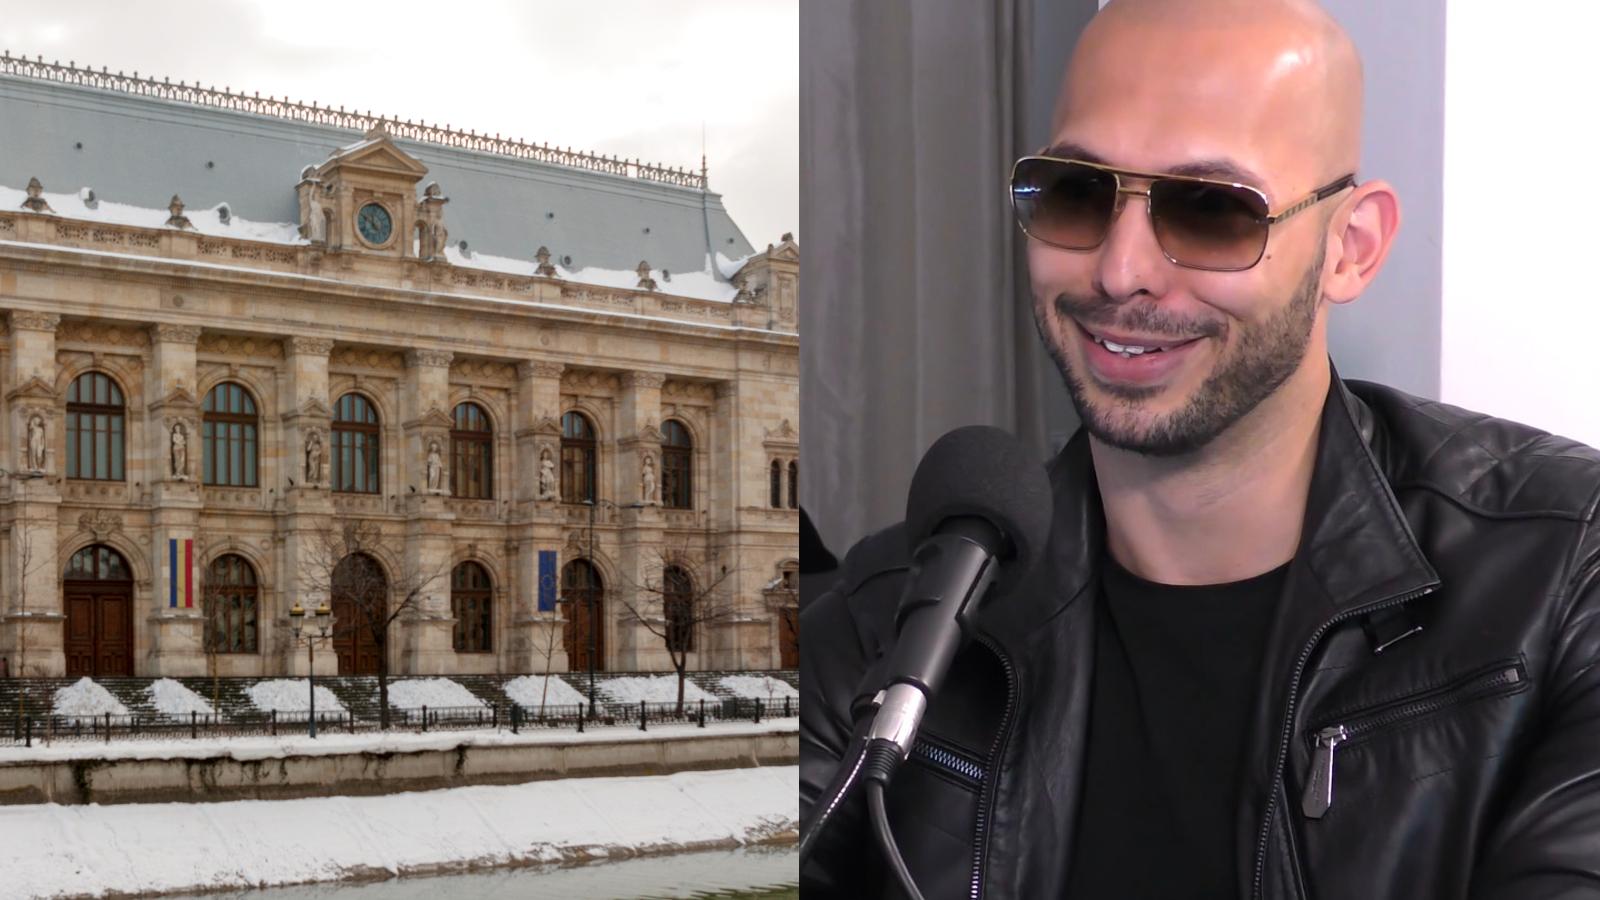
(511, 717)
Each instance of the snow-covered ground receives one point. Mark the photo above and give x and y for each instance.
(529, 692)
(656, 689)
(329, 742)
(286, 695)
(414, 693)
(758, 687)
(85, 698)
(173, 699)
(59, 851)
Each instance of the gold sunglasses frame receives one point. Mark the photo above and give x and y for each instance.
(1266, 221)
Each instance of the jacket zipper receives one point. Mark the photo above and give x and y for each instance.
(1319, 786)
(964, 767)
(1287, 732)
(980, 843)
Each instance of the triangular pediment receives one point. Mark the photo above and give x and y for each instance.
(433, 418)
(376, 152)
(34, 388)
(179, 398)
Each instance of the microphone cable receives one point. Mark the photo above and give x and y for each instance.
(824, 813)
(883, 758)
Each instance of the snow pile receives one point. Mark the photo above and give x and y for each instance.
(205, 221)
(415, 693)
(528, 691)
(284, 695)
(660, 689)
(85, 698)
(58, 850)
(758, 687)
(173, 699)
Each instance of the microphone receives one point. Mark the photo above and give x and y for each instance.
(977, 517)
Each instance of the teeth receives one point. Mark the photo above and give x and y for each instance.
(1126, 351)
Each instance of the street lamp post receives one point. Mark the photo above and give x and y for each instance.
(321, 624)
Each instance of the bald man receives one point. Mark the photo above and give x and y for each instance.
(1294, 636)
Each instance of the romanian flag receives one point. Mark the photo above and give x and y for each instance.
(180, 573)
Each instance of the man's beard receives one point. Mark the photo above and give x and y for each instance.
(1264, 357)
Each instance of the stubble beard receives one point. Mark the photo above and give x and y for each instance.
(1262, 360)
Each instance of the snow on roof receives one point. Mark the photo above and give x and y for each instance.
(704, 284)
(209, 222)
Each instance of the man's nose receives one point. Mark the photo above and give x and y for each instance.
(1130, 259)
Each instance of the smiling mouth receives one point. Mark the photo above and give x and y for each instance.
(1129, 347)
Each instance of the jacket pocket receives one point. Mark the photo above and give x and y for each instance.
(949, 762)
(1504, 677)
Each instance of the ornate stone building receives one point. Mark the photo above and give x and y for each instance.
(546, 413)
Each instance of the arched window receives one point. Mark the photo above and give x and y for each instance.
(228, 436)
(775, 485)
(577, 459)
(97, 562)
(794, 484)
(677, 462)
(230, 604)
(677, 602)
(472, 453)
(355, 445)
(583, 595)
(96, 428)
(471, 600)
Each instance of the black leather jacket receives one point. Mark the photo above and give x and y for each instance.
(1469, 760)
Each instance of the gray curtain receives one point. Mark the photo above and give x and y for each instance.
(915, 317)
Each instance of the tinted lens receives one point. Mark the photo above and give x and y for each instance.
(1208, 226)
(1061, 203)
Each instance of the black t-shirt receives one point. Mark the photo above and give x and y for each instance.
(1175, 680)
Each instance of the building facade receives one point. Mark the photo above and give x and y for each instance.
(544, 419)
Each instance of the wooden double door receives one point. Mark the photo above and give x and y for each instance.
(360, 592)
(97, 595)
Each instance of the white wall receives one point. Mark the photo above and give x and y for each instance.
(1521, 313)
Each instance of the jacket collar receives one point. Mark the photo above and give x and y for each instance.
(1355, 544)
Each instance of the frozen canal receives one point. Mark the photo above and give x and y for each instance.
(755, 873)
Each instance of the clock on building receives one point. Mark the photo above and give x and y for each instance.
(375, 224)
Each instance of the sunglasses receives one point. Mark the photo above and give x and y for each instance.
(1200, 223)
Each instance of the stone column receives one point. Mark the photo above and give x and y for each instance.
(30, 573)
(176, 616)
(537, 520)
(426, 632)
(307, 504)
(639, 430)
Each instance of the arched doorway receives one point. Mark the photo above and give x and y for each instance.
(583, 601)
(360, 606)
(97, 588)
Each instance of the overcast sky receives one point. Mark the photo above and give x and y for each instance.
(631, 78)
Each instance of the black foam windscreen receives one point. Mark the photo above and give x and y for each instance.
(982, 471)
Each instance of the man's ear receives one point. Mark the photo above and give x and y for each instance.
(1362, 232)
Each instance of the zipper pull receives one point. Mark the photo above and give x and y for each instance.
(1319, 789)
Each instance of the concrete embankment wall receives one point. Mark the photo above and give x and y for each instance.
(179, 777)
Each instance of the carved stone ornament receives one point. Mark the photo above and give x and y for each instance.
(100, 523)
(784, 432)
(22, 320)
(36, 201)
(545, 269)
(181, 334)
(177, 219)
(437, 359)
(539, 368)
(645, 281)
(310, 346)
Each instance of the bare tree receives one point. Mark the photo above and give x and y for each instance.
(548, 651)
(344, 567)
(677, 608)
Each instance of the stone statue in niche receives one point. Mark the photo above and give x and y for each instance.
(314, 458)
(435, 468)
(36, 443)
(547, 477)
(180, 452)
(647, 480)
